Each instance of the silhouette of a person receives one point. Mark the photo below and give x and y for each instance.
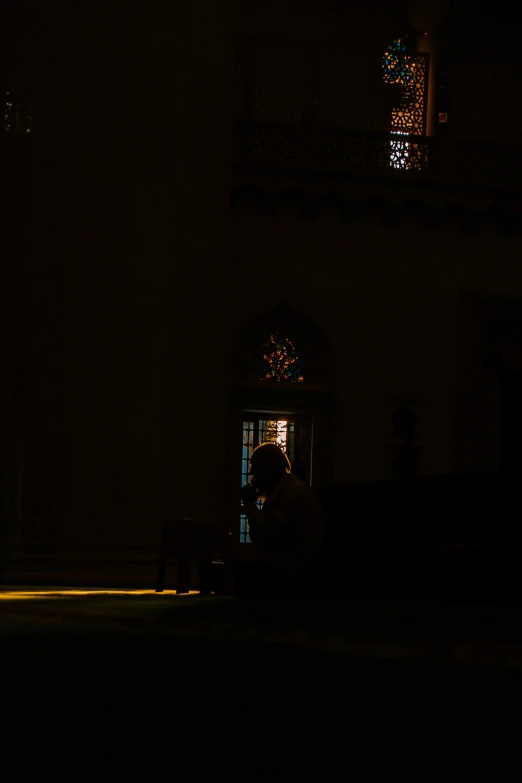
(287, 532)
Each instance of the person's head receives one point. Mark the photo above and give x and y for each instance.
(268, 464)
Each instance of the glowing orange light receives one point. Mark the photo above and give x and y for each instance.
(35, 593)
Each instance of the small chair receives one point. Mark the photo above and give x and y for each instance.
(187, 541)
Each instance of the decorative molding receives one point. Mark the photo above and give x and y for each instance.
(378, 210)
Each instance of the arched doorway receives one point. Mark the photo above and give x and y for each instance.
(280, 389)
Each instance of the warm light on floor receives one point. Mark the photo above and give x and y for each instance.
(34, 593)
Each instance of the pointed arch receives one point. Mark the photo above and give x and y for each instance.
(290, 311)
(286, 291)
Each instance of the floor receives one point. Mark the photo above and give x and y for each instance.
(134, 680)
(475, 634)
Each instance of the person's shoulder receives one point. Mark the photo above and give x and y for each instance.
(293, 489)
(297, 484)
(300, 484)
(303, 489)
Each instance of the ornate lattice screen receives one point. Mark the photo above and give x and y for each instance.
(408, 73)
(280, 361)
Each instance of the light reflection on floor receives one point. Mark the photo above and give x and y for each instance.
(23, 593)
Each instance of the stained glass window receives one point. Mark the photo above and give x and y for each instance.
(398, 67)
(280, 361)
(409, 73)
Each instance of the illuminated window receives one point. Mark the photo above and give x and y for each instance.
(280, 361)
(399, 151)
(398, 68)
(409, 74)
(278, 431)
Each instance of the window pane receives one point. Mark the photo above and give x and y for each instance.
(244, 535)
(248, 431)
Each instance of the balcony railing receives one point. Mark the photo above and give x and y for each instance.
(332, 149)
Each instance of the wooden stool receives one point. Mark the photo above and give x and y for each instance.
(188, 541)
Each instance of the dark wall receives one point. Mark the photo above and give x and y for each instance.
(115, 264)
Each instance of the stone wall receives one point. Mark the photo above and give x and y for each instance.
(389, 298)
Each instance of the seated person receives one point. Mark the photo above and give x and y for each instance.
(287, 532)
